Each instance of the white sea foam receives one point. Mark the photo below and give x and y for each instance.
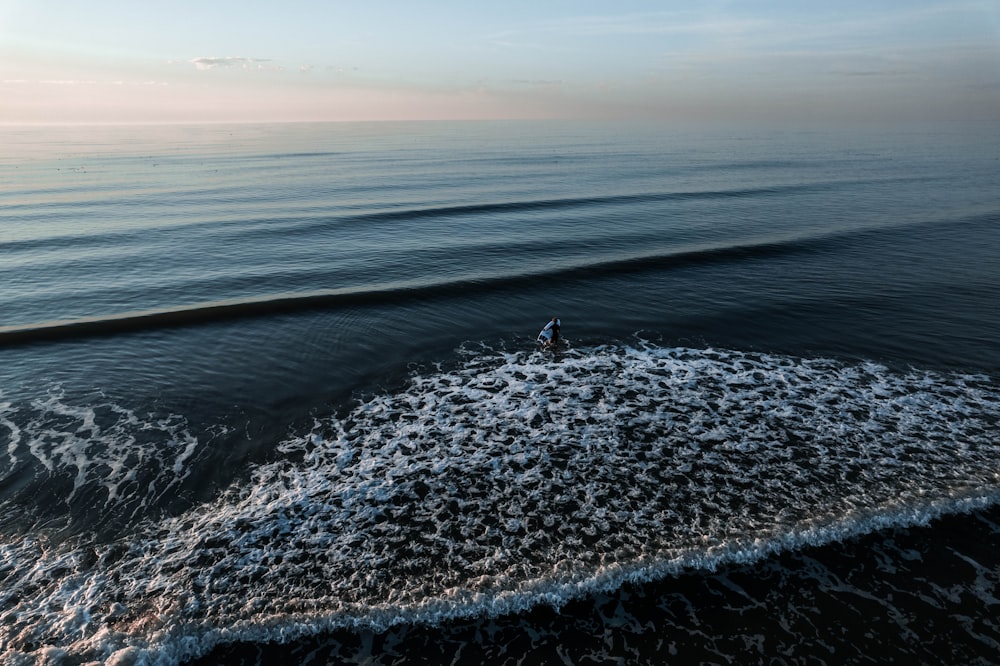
(92, 458)
(518, 479)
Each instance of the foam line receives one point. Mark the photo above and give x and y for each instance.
(89, 463)
(510, 481)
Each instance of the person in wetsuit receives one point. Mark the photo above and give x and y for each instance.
(549, 336)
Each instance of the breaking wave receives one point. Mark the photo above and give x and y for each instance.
(516, 479)
(95, 464)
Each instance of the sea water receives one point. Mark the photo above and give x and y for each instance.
(271, 393)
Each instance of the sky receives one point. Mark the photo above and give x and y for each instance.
(109, 61)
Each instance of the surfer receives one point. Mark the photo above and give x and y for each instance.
(549, 336)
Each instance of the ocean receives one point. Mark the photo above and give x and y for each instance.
(271, 394)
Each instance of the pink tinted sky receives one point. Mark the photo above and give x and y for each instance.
(114, 61)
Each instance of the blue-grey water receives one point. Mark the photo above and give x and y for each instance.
(270, 394)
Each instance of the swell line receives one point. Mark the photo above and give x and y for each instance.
(576, 202)
(217, 311)
(299, 224)
(416, 290)
(642, 197)
(288, 224)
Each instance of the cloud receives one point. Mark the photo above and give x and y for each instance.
(69, 82)
(659, 23)
(546, 83)
(79, 82)
(676, 23)
(873, 72)
(229, 61)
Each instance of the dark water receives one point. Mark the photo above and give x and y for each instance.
(270, 394)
